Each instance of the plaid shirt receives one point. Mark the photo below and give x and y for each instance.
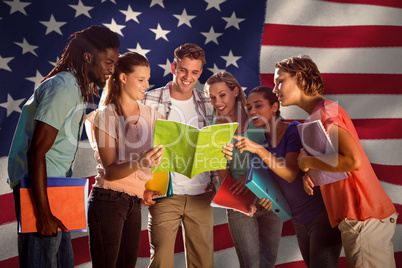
(160, 100)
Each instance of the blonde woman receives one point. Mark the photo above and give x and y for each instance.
(256, 239)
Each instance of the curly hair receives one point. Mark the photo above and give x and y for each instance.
(308, 76)
(94, 39)
(191, 51)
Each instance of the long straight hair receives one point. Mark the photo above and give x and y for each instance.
(125, 64)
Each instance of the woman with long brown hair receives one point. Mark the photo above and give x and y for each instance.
(121, 132)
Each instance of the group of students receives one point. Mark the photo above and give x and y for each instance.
(121, 134)
(358, 206)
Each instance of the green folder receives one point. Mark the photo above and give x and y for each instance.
(189, 150)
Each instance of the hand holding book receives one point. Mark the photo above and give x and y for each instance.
(316, 142)
(147, 198)
(189, 150)
(266, 203)
(225, 198)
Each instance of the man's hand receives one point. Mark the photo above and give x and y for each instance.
(49, 225)
(42, 140)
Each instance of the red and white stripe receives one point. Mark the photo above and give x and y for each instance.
(357, 45)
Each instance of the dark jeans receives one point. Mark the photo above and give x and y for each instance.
(256, 239)
(35, 251)
(319, 243)
(114, 221)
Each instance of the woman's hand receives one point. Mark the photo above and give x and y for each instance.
(147, 198)
(151, 158)
(308, 184)
(239, 187)
(265, 203)
(228, 150)
(302, 160)
(244, 144)
(253, 209)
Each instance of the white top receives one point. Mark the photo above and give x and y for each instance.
(186, 112)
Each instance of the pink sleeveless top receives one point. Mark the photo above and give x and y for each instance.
(132, 136)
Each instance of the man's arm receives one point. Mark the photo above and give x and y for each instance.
(42, 140)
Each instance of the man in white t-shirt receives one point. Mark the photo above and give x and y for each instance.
(190, 204)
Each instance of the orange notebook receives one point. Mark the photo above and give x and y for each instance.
(161, 182)
(67, 199)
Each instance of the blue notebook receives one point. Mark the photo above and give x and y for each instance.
(260, 182)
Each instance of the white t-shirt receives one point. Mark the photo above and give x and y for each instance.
(186, 112)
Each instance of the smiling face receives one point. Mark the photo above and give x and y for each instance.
(260, 111)
(223, 99)
(286, 88)
(101, 66)
(185, 76)
(134, 85)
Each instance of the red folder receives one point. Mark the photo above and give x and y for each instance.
(225, 199)
(67, 200)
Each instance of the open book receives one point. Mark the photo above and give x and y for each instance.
(260, 182)
(317, 142)
(161, 182)
(189, 150)
(67, 200)
(225, 199)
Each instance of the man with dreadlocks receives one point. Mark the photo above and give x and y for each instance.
(47, 136)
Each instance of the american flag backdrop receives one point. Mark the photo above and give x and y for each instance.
(357, 45)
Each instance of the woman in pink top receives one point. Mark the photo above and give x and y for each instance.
(121, 134)
(358, 205)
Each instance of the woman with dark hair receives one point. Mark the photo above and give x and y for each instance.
(320, 245)
(255, 237)
(121, 134)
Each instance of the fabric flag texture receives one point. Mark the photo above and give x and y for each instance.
(357, 45)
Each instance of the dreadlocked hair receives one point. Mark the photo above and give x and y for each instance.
(125, 64)
(94, 39)
(308, 77)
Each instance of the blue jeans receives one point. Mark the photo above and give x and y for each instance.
(114, 222)
(36, 251)
(319, 243)
(256, 239)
